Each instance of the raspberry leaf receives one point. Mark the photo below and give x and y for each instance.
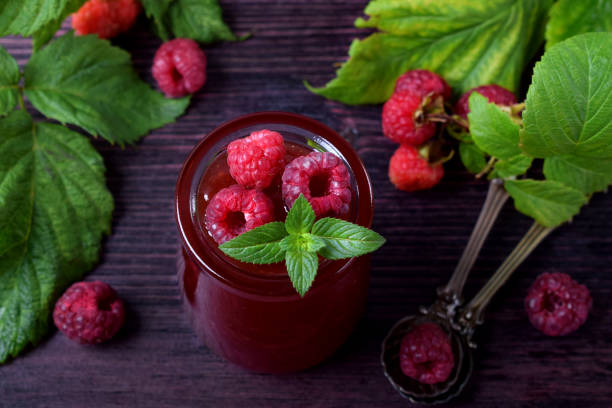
(344, 239)
(25, 17)
(92, 85)
(586, 175)
(548, 202)
(492, 129)
(46, 32)
(570, 17)
(9, 82)
(54, 209)
(156, 9)
(468, 43)
(302, 268)
(472, 157)
(260, 245)
(511, 167)
(301, 216)
(568, 109)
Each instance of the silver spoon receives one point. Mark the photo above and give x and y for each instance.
(461, 329)
(442, 312)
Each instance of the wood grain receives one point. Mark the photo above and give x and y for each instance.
(156, 361)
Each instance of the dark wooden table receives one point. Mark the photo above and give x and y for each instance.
(156, 360)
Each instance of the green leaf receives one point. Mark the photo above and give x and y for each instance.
(156, 9)
(570, 17)
(260, 245)
(472, 157)
(25, 17)
(302, 268)
(92, 85)
(301, 216)
(568, 108)
(46, 32)
(492, 129)
(548, 202)
(469, 43)
(302, 242)
(9, 82)
(586, 175)
(54, 209)
(344, 239)
(511, 167)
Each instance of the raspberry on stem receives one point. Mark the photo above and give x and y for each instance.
(179, 67)
(255, 160)
(404, 121)
(409, 171)
(106, 18)
(423, 83)
(494, 93)
(89, 312)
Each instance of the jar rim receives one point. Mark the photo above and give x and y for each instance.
(208, 260)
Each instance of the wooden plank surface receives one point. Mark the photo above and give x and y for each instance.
(156, 360)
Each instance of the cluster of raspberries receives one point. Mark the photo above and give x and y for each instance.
(179, 66)
(409, 118)
(255, 163)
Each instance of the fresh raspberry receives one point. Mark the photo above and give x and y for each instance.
(234, 210)
(254, 161)
(556, 304)
(179, 67)
(426, 354)
(423, 83)
(409, 171)
(89, 312)
(324, 181)
(403, 119)
(106, 18)
(494, 93)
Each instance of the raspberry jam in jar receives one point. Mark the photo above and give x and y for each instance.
(251, 314)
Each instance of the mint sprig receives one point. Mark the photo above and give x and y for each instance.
(299, 240)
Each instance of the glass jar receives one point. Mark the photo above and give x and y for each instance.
(258, 320)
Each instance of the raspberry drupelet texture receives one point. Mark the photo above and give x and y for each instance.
(494, 93)
(255, 160)
(179, 67)
(557, 305)
(409, 171)
(234, 210)
(106, 18)
(426, 354)
(89, 312)
(323, 179)
(423, 83)
(403, 120)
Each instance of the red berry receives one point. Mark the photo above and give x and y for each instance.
(557, 305)
(494, 93)
(179, 67)
(423, 83)
(403, 119)
(426, 354)
(234, 210)
(254, 161)
(89, 312)
(323, 179)
(106, 18)
(409, 171)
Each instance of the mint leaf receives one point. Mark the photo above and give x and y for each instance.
(548, 202)
(492, 129)
(46, 32)
(92, 85)
(300, 217)
(260, 245)
(156, 9)
(344, 239)
(302, 242)
(569, 18)
(468, 43)
(54, 209)
(511, 167)
(9, 82)
(568, 109)
(302, 268)
(25, 17)
(472, 157)
(586, 175)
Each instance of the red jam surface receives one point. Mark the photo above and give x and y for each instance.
(251, 314)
